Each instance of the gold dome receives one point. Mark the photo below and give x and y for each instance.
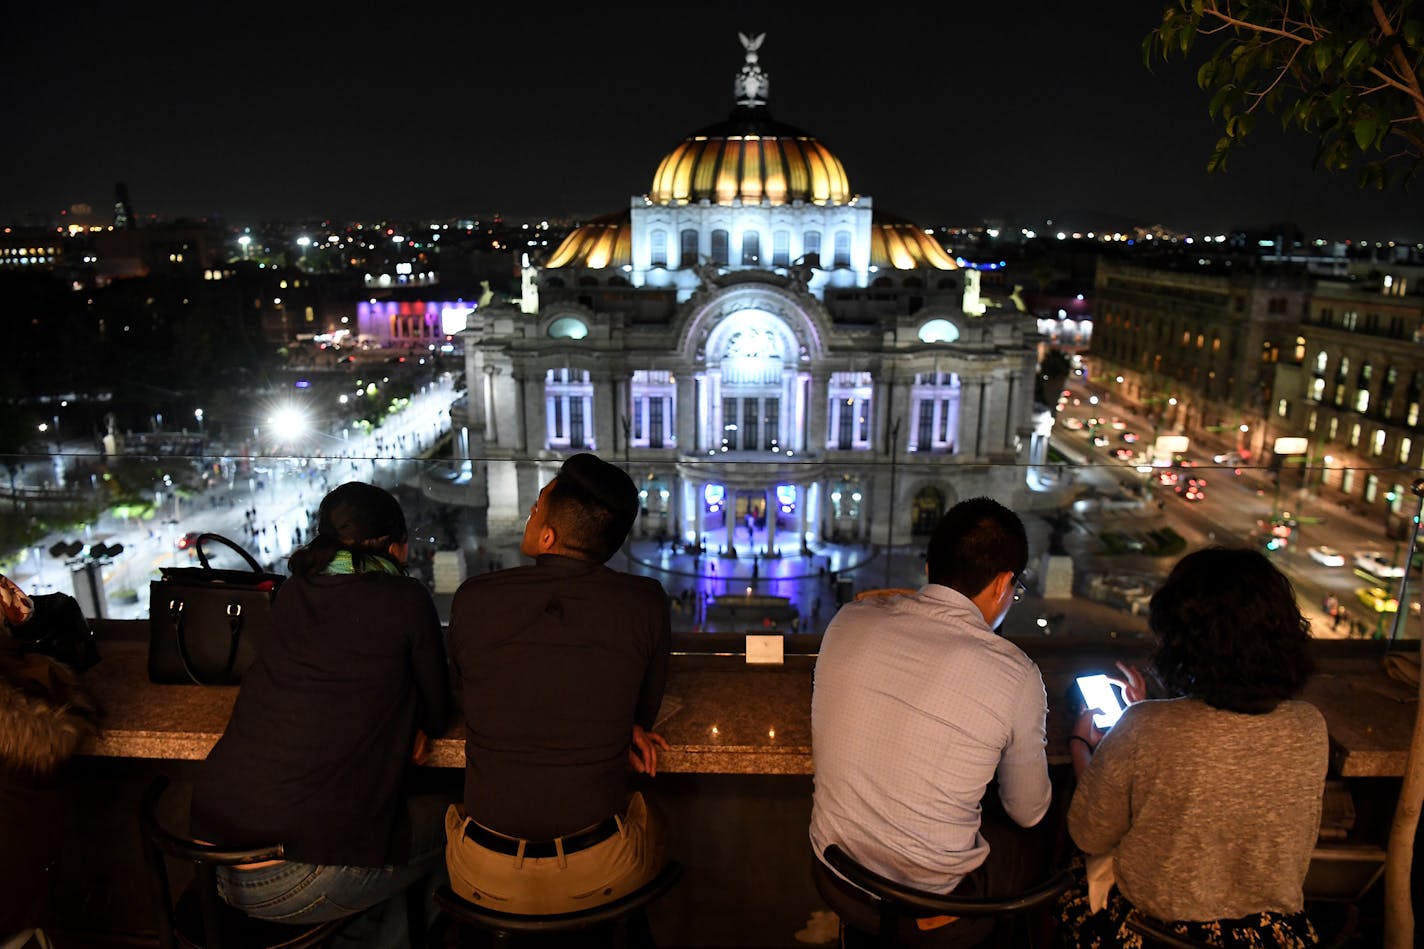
(898, 244)
(750, 158)
(606, 242)
(603, 242)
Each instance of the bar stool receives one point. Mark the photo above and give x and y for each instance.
(893, 902)
(509, 929)
(199, 919)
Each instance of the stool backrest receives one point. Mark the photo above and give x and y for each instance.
(199, 917)
(894, 901)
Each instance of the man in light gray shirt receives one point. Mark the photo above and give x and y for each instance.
(918, 706)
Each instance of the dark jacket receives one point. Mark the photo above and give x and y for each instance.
(557, 662)
(316, 751)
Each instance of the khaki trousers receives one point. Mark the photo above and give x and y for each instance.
(545, 885)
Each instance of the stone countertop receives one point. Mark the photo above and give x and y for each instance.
(719, 715)
(723, 716)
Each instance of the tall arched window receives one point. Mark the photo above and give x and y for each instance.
(657, 248)
(811, 244)
(719, 248)
(781, 249)
(688, 240)
(751, 248)
(842, 258)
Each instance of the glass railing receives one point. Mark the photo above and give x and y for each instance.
(769, 545)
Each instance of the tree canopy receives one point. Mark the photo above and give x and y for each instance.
(1347, 72)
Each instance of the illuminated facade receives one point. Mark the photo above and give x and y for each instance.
(773, 360)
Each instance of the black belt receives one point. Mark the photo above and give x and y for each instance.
(573, 843)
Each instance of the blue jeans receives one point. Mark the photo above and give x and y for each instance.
(292, 892)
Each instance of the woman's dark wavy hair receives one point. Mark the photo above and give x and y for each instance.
(357, 517)
(1229, 631)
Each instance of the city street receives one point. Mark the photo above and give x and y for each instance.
(1236, 506)
(265, 503)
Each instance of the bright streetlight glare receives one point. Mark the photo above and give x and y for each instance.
(288, 423)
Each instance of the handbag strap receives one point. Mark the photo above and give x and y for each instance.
(241, 551)
(234, 622)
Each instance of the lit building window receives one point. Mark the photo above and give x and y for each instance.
(568, 405)
(654, 398)
(781, 249)
(812, 241)
(719, 248)
(657, 246)
(849, 411)
(751, 248)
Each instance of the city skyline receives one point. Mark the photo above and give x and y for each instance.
(1019, 115)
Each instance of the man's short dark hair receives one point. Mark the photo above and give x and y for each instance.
(974, 542)
(1229, 631)
(592, 506)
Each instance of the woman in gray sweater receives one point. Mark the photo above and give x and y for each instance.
(1207, 803)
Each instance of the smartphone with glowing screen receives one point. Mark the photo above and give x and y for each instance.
(1098, 693)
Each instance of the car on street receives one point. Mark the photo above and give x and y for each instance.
(1193, 489)
(1128, 437)
(189, 540)
(1118, 424)
(1227, 458)
(1327, 556)
(1100, 441)
(1375, 562)
(1073, 424)
(1167, 477)
(1377, 599)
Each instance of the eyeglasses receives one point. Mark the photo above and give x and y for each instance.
(1019, 588)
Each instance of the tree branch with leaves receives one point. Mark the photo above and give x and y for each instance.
(1347, 72)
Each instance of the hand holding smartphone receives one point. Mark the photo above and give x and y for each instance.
(1098, 693)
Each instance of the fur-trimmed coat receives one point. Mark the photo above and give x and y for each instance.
(45, 714)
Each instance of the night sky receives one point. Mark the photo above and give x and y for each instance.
(1021, 112)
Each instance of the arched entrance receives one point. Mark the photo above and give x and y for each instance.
(925, 510)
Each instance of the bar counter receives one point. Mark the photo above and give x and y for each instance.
(721, 715)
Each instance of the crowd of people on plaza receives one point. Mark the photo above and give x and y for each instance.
(1198, 809)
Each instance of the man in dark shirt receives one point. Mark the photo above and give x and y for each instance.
(561, 668)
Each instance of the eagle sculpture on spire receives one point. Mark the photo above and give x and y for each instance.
(752, 86)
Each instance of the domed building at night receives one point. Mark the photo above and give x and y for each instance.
(772, 359)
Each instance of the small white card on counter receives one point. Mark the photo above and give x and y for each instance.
(765, 649)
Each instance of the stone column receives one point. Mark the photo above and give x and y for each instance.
(773, 507)
(729, 522)
(686, 413)
(803, 501)
(994, 412)
(606, 416)
(971, 389)
(816, 415)
(531, 389)
(491, 417)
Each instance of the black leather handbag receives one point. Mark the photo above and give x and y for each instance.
(205, 624)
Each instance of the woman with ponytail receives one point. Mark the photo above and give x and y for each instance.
(337, 707)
